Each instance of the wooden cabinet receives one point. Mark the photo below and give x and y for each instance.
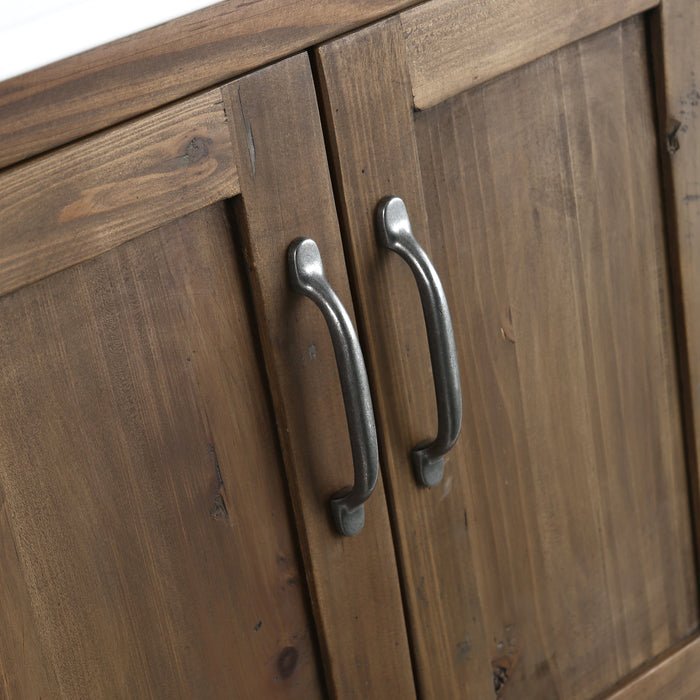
(172, 421)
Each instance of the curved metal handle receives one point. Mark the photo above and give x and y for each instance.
(394, 232)
(306, 276)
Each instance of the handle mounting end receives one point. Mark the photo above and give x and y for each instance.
(348, 521)
(427, 470)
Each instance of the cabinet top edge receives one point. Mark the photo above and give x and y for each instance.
(104, 86)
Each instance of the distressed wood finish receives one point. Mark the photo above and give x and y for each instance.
(141, 483)
(677, 676)
(453, 45)
(99, 88)
(569, 361)
(88, 198)
(286, 193)
(27, 674)
(370, 124)
(545, 221)
(675, 31)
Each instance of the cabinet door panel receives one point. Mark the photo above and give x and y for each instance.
(142, 490)
(538, 198)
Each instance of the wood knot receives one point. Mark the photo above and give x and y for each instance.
(463, 649)
(287, 662)
(508, 648)
(218, 509)
(500, 677)
(197, 149)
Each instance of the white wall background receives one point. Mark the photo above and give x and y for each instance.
(34, 33)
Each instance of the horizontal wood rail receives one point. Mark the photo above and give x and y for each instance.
(462, 44)
(85, 199)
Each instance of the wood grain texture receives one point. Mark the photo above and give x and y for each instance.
(88, 198)
(25, 674)
(542, 198)
(675, 27)
(367, 100)
(286, 193)
(142, 485)
(102, 87)
(544, 203)
(677, 676)
(453, 45)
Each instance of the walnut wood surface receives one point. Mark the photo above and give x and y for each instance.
(82, 94)
(88, 198)
(543, 203)
(675, 31)
(286, 193)
(148, 546)
(452, 45)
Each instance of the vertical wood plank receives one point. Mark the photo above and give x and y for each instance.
(370, 125)
(675, 28)
(286, 193)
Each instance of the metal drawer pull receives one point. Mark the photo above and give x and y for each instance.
(306, 276)
(394, 232)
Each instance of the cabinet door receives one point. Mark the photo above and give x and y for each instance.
(148, 547)
(556, 555)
